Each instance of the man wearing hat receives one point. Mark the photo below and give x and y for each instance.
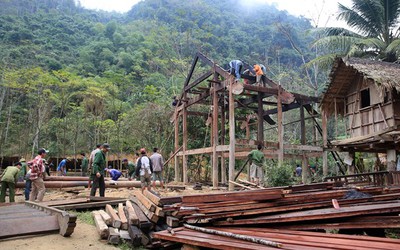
(37, 170)
(8, 180)
(99, 165)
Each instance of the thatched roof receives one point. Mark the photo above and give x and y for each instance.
(343, 73)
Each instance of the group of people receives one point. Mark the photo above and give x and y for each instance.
(259, 70)
(33, 172)
(147, 168)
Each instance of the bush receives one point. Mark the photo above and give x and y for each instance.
(279, 176)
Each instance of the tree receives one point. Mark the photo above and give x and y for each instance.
(376, 32)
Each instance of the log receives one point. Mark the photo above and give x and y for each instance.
(121, 214)
(113, 236)
(235, 236)
(116, 221)
(135, 235)
(131, 214)
(106, 217)
(101, 226)
(63, 184)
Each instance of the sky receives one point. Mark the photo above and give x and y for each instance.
(322, 13)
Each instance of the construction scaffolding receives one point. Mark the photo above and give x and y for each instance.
(219, 90)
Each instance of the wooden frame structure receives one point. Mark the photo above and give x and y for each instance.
(365, 93)
(216, 90)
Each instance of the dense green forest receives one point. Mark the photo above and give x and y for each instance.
(72, 77)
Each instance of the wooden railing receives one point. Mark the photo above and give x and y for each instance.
(381, 178)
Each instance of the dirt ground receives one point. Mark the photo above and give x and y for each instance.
(84, 236)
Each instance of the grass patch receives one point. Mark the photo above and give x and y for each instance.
(85, 217)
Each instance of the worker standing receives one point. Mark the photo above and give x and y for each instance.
(37, 174)
(99, 165)
(84, 164)
(256, 158)
(158, 165)
(259, 75)
(8, 180)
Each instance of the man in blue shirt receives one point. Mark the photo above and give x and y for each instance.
(114, 173)
(62, 167)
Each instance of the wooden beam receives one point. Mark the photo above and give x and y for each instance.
(184, 145)
(106, 217)
(116, 221)
(214, 140)
(280, 129)
(132, 216)
(232, 135)
(122, 216)
(101, 226)
(198, 80)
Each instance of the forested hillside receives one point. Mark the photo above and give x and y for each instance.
(71, 77)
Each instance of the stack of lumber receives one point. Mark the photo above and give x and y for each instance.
(284, 239)
(303, 207)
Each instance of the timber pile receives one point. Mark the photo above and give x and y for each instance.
(304, 207)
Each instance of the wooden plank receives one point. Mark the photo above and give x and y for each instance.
(364, 222)
(334, 241)
(144, 223)
(264, 194)
(132, 216)
(99, 204)
(66, 221)
(22, 226)
(152, 197)
(316, 214)
(116, 221)
(101, 226)
(150, 215)
(106, 217)
(144, 201)
(122, 217)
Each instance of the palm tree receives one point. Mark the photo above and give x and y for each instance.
(376, 32)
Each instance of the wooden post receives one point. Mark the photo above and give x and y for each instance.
(121, 214)
(214, 140)
(223, 166)
(176, 159)
(184, 144)
(280, 128)
(260, 113)
(306, 170)
(336, 119)
(391, 159)
(132, 216)
(231, 136)
(325, 143)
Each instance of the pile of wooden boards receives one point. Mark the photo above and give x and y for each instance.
(305, 207)
(134, 220)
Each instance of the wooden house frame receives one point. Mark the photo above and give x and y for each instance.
(209, 84)
(365, 93)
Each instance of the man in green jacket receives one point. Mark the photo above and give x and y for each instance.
(84, 165)
(256, 158)
(130, 167)
(8, 180)
(98, 170)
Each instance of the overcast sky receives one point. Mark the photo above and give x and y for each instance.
(321, 12)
